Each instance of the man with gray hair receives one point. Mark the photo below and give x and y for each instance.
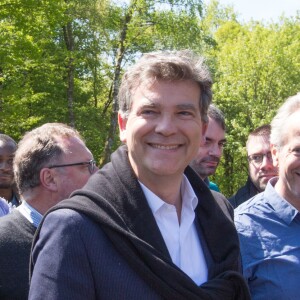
(145, 226)
(208, 157)
(269, 224)
(51, 161)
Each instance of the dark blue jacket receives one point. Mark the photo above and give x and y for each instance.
(245, 193)
(104, 243)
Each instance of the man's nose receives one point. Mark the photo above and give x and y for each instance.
(215, 150)
(267, 162)
(166, 125)
(5, 165)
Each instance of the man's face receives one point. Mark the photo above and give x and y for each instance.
(260, 173)
(208, 157)
(163, 129)
(72, 177)
(6, 160)
(287, 158)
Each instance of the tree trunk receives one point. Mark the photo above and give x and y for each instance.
(69, 40)
(115, 88)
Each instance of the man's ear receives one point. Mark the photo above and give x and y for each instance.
(275, 155)
(122, 121)
(48, 179)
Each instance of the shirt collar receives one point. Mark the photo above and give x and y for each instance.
(32, 215)
(189, 197)
(14, 202)
(282, 208)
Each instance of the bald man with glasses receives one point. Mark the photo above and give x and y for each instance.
(261, 168)
(51, 162)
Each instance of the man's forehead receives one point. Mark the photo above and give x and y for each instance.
(7, 147)
(292, 130)
(257, 144)
(155, 94)
(214, 130)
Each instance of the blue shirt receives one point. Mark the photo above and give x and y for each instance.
(4, 208)
(14, 202)
(211, 185)
(269, 232)
(31, 214)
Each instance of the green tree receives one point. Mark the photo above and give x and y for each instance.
(257, 68)
(62, 60)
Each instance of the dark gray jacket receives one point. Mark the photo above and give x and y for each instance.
(245, 193)
(104, 243)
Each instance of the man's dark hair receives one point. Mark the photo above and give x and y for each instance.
(216, 114)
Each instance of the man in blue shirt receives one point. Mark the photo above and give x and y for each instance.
(51, 161)
(269, 223)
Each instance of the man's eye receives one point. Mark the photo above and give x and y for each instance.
(257, 157)
(185, 113)
(148, 112)
(296, 151)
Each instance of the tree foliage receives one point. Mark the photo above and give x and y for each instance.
(257, 68)
(61, 61)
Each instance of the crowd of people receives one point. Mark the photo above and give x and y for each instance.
(150, 224)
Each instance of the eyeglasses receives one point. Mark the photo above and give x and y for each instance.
(257, 159)
(91, 165)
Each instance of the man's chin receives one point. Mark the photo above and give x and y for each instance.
(262, 186)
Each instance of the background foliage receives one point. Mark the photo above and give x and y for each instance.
(61, 61)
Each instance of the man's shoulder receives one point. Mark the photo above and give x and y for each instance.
(252, 205)
(15, 226)
(220, 197)
(252, 213)
(223, 203)
(65, 215)
(243, 194)
(10, 220)
(66, 219)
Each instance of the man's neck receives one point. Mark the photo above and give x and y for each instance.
(167, 189)
(285, 193)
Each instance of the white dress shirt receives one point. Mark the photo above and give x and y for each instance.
(182, 239)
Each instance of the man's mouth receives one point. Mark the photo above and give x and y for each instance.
(267, 176)
(165, 147)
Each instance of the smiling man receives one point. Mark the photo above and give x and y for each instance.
(269, 223)
(145, 226)
(208, 157)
